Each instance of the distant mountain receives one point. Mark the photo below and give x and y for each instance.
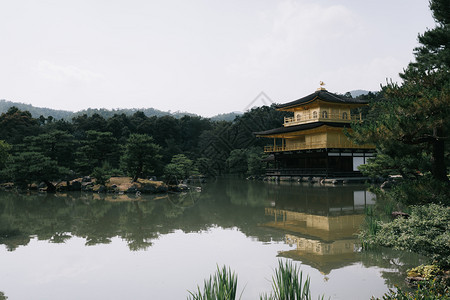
(36, 111)
(105, 113)
(357, 93)
(227, 116)
(108, 113)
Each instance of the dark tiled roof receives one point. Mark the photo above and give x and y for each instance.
(323, 95)
(300, 127)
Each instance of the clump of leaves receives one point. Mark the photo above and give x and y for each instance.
(2, 296)
(101, 175)
(427, 272)
(180, 168)
(428, 289)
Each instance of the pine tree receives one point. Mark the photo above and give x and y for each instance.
(410, 125)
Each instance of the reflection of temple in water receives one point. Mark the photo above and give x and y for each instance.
(321, 223)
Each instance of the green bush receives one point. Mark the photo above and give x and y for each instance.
(426, 231)
(427, 290)
(428, 272)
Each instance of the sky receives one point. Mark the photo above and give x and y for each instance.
(200, 56)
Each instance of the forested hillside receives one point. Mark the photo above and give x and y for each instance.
(36, 112)
(44, 149)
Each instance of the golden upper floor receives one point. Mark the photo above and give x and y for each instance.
(318, 122)
(321, 106)
(322, 115)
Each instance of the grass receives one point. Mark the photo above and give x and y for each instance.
(287, 284)
(221, 286)
(369, 228)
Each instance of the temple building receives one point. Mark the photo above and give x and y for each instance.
(313, 141)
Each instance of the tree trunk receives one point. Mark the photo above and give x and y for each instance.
(438, 167)
(50, 187)
(138, 172)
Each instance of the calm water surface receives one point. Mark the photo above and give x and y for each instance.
(90, 246)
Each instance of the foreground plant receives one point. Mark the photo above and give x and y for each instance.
(287, 284)
(428, 289)
(221, 286)
(425, 232)
(2, 296)
(427, 272)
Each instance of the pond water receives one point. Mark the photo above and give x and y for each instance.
(91, 246)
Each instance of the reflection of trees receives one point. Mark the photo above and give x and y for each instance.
(254, 193)
(322, 218)
(138, 221)
(396, 263)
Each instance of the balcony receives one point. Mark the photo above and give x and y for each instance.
(316, 145)
(322, 117)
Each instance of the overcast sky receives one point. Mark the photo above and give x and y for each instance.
(201, 56)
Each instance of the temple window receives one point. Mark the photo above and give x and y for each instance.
(344, 115)
(324, 114)
(314, 114)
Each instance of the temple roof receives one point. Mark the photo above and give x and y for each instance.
(323, 95)
(300, 127)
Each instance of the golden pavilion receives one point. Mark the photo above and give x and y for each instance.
(313, 142)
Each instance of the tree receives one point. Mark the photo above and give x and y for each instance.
(191, 129)
(28, 167)
(16, 124)
(180, 167)
(102, 174)
(254, 161)
(4, 153)
(246, 161)
(237, 162)
(410, 126)
(119, 126)
(57, 145)
(97, 148)
(84, 123)
(141, 155)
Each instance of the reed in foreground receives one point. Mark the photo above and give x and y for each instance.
(287, 284)
(221, 286)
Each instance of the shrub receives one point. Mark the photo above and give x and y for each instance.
(428, 289)
(426, 231)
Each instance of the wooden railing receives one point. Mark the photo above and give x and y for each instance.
(290, 121)
(317, 145)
